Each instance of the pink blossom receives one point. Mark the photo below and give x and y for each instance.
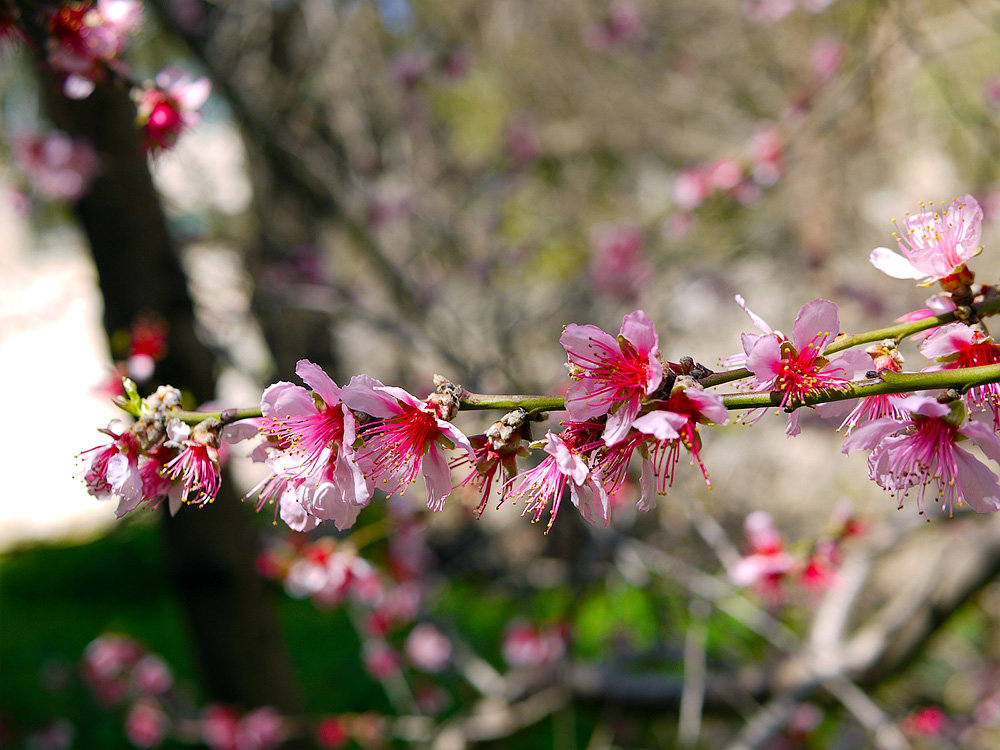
(724, 174)
(934, 246)
(428, 648)
(544, 485)
(621, 26)
(57, 166)
(529, 647)
(767, 565)
(612, 376)
(796, 367)
(923, 449)
(316, 473)
(151, 675)
(332, 732)
(170, 106)
(261, 729)
(196, 466)
(618, 267)
(406, 439)
(380, 659)
(145, 724)
(219, 726)
(691, 188)
(929, 722)
(826, 58)
(767, 152)
(672, 424)
(937, 304)
(884, 356)
(958, 345)
(495, 450)
(82, 37)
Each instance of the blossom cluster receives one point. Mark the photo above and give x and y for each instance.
(328, 448)
(122, 674)
(82, 42)
(158, 457)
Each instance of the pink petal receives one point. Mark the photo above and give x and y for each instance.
(403, 396)
(764, 359)
(236, 432)
(853, 363)
(984, 437)
(755, 319)
(710, 405)
(580, 342)
(893, 264)
(870, 434)
(437, 478)
(568, 463)
(640, 332)
(355, 486)
(816, 318)
(947, 340)
(620, 421)
(662, 425)
(457, 437)
(980, 490)
(647, 487)
(966, 212)
(926, 406)
(293, 514)
(321, 383)
(361, 395)
(792, 429)
(285, 399)
(591, 499)
(582, 406)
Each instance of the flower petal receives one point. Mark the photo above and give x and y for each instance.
(285, 399)
(641, 333)
(817, 318)
(662, 425)
(437, 478)
(893, 264)
(980, 490)
(321, 383)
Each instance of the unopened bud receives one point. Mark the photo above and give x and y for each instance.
(505, 433)
(446, 400)
(149, 430)
(208, 432)
(165, 398)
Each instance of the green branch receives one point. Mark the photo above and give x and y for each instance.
(889, 382)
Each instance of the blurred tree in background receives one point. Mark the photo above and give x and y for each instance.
(404, 187)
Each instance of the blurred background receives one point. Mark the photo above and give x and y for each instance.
(410, 187)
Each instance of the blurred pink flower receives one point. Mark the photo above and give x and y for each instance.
(428, 648)
(826, 58)
(529, 647)
(57, 166)
(691, 188)
(168, 107)
(145, 724)
(619, 267)
(621, 26)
